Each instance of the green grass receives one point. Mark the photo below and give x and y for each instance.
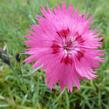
(21, 87)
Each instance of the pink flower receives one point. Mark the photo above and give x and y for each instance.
(63, 43)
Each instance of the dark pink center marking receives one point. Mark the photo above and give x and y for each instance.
(79, 38)
(80, 54)
(64, 33)
(55, 48)
(66, 60)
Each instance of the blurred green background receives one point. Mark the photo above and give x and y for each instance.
(20, 86)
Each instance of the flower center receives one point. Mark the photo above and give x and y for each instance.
(69, 45)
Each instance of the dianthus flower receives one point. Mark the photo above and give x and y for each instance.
(63, 43)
